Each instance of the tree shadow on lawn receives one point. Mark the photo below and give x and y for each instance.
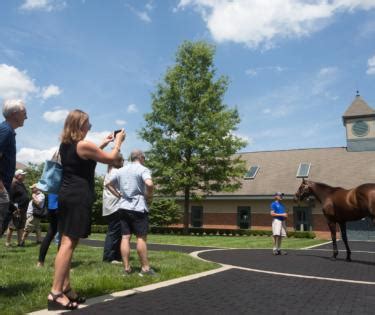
(16, 289)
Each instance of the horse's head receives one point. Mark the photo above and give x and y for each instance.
(304, 191)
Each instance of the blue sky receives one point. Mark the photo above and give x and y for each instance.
(294, 66)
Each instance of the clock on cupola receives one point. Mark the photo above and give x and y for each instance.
(359, 121)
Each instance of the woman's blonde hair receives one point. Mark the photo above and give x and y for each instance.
(74, 122)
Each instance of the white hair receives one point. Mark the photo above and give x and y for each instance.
(136, 154)
(12, 106)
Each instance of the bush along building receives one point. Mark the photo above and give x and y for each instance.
(283, 170)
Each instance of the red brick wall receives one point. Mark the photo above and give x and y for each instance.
(220, 219)
(262, 221)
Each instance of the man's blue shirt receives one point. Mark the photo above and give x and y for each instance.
(278, 208)
(8, 154)
(131, 181)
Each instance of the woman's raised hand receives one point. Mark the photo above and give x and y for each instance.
(120, 137)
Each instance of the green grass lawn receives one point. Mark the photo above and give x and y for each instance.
(24, 287)
(224, 241)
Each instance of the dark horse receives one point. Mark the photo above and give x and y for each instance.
(340, 205)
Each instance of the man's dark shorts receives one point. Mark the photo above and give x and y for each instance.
(133, 222)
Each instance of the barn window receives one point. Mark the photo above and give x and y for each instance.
(252, 172)
(303, 170)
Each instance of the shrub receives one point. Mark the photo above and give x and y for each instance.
(164, 212)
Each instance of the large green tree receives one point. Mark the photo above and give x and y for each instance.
(190, 129)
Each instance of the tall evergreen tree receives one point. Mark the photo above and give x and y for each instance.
(191, 131)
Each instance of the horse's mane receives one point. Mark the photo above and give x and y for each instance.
(325, 185)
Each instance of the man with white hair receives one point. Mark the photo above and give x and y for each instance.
(14, 112)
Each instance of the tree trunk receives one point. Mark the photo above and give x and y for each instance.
(186, 210)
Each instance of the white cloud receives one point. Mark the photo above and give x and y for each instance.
(280, 110)
(29, 155)
(51, 90)
(260, 23)
(132, 108)
(371, 65)
(255, 71)
(97, 137)
(143, 14)
(266, 111)
(270, 133)
(43, 5)
(251, 72)
(15, 83)
(120, 122)
(149, 6)
(324, 79)
(56, 116)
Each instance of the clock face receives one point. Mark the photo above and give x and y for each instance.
(360, 128)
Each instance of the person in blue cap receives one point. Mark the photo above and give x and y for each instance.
(279, 216)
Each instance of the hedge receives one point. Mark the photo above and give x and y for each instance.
(225, 232)
(201, 231)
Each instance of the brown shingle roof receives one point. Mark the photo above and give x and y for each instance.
(333, 166)
(359, 108)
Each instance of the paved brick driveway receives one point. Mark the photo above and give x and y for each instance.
(241, 291)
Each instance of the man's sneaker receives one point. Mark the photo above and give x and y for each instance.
(149, 272)
(275, 252)
(281, 252)
(116, 262)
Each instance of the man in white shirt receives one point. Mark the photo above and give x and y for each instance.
(33, 222)
(111, 252)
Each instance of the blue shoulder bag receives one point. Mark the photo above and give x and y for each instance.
(51, 179)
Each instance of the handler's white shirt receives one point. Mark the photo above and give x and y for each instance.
(110, 201)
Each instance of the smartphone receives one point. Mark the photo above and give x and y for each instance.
(116, 132)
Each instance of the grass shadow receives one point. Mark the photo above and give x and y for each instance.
(16, 289)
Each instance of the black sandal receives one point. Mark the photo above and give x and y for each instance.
(78, 299)
(53, 305)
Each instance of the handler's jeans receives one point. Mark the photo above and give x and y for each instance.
(4, 209)
(113, 238)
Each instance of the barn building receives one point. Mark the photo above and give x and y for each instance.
(272, 171)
